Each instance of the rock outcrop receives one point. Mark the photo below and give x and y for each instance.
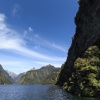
(81, 72)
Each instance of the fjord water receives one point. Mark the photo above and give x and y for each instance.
(36, 92)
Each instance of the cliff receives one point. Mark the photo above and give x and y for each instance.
(81, 72)
(4, 77)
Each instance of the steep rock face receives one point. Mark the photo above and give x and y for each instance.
(87, 35)
(4, 77)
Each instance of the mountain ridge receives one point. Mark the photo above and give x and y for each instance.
(12, 74)
(37, 76)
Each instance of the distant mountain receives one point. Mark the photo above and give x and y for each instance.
(12, 74)
(52, 78)
(4, 77)
(16, 79)
(38, 76)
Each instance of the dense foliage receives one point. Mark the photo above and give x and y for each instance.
(85, 79)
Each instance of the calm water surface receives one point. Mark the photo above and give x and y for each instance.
(36, 92)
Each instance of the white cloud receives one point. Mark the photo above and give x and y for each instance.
(2, 17)
(2, 21)
(59, 47)
(38, 40)
(16, 9)
(30, 29)
(37, 47)
(25, 33)
(13, 42)
(10, 39)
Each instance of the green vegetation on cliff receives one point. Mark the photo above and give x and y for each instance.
(81, 72)
(4, 80)
(4, 77)
(85, 79)
(52, 78)
(45, 75)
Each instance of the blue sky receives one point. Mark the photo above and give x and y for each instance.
(34, 33)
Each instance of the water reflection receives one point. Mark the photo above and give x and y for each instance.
(56, 93)
(36, 92)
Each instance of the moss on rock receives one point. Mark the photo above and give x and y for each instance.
(85, 79)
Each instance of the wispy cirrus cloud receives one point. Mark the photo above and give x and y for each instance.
(59, 47)
(27, 31)
(16, 9)
(30, 29)
(43, 42)
(2, 17)
(12, 42)
(10, 39)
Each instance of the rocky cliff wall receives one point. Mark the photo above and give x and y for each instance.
(87, 36)
(4, 77)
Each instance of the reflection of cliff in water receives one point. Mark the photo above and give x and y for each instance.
(56, 93)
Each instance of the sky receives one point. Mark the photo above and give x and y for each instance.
(35, 33)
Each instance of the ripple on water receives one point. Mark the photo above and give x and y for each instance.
(36, 92)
